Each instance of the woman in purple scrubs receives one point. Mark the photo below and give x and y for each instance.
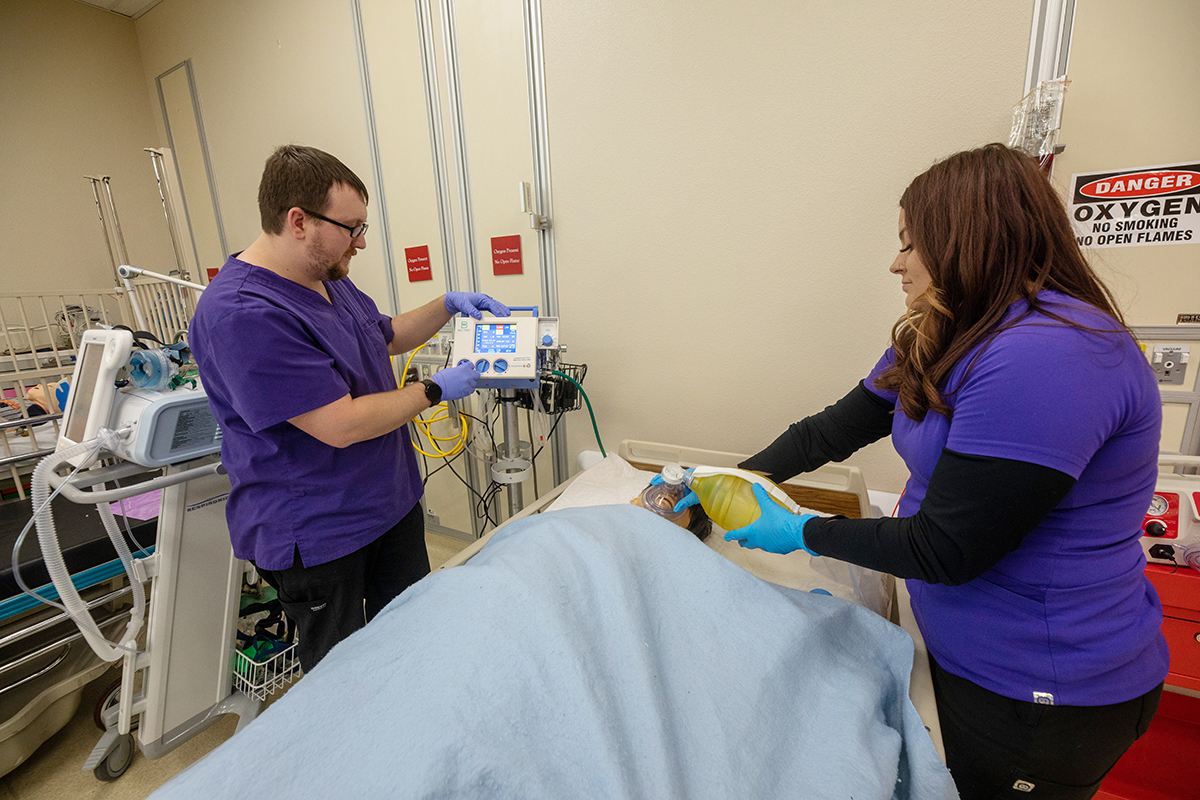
(1029, 420)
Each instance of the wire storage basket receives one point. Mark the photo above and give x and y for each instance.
(259, 679)
(557, 393)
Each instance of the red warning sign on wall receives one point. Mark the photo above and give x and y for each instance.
(417, 260)
(506, 255)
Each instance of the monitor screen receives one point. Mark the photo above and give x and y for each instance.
(82, 392)
(496, 338)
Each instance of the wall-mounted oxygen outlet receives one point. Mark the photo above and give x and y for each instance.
(1169, 362)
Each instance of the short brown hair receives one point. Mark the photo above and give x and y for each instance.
(300, 177)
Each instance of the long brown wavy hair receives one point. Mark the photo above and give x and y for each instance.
(990, 229)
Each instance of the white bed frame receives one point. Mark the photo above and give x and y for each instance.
(833, 489)
(39, 336)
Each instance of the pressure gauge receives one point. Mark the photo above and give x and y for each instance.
(1158, 506)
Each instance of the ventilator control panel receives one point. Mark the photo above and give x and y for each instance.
(504, 350)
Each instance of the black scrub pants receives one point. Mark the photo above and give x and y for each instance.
(998, 748)
(328, 602)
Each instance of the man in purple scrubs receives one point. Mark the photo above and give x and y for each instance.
(296, 363)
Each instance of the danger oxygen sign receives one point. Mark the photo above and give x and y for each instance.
(1137, 207)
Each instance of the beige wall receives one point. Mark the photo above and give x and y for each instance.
(73, 102)
(726, 179)
(1133, 102)
(267, 73)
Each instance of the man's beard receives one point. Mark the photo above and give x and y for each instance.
(324, 270)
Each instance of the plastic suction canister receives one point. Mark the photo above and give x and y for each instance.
(727, 494)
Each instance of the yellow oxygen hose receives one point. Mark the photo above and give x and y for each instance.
(442, 413)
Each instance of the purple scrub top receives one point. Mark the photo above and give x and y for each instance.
(268, 350)
(1069, 616)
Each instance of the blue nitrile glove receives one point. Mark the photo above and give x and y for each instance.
(777, 530)
(473, 304)
(457, 382)
(687, 501)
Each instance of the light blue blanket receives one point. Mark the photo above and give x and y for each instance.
(594, 653)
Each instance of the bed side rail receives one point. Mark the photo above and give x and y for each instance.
(39, 337)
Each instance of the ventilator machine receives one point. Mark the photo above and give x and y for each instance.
(177, 674)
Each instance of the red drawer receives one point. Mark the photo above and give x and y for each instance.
(1162, 764)
(1185, 652)
(1178, 589)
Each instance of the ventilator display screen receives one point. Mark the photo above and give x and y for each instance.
(81, 394)
(496, 338)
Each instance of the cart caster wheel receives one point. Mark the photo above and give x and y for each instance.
(109, 698)
(117, 761)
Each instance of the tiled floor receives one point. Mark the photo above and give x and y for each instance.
(54, 771)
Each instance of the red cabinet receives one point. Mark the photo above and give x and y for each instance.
(1165, 763)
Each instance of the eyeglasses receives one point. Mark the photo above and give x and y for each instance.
(355, 230)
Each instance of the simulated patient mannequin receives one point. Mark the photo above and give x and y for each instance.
(660, 499)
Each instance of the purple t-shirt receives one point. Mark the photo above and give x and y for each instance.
(1070, 612)
(268, 350)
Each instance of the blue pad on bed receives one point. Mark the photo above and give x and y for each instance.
(594, 652)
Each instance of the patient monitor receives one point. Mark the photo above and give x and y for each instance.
(164, 427)
(504, 350)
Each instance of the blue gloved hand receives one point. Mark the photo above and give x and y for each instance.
(457, 382)
(777, 530)
(473, 304)
(687, 501)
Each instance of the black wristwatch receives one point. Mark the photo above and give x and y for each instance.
(433, 392)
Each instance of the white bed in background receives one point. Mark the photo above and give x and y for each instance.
(601, 651)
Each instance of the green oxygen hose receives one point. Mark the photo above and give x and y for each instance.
(589, 405)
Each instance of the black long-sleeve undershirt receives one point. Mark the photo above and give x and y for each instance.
(855, 421)
(976, 509)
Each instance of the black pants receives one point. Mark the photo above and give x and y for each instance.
(328, 602)
(1000, 748)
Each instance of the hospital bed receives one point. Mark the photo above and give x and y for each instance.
(589, 648)
(44, 664)
(832, 489)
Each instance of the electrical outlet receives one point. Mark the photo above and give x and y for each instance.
(1163, 551)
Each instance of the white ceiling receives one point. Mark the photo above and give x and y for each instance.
(126, 8)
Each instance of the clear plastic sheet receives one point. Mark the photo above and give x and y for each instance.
(1037, 118)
